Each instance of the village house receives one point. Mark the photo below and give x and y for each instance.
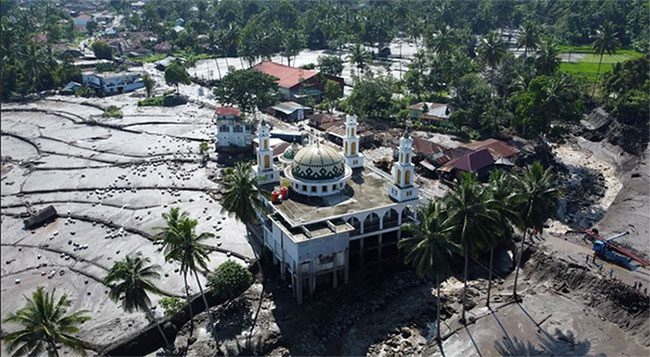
(333, 214)
(113, 83)
(429, 113)
(289, 111)
(232, 130)
(335, 128)
(297, 84)
(81, 21)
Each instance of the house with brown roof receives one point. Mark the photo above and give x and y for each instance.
(479, 162)
(297, 84)
(501, 152)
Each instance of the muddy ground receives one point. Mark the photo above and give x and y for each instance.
(109, 179)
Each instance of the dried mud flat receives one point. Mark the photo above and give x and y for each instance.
(110, 180)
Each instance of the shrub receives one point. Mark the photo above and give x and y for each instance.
(151, 102)
(172, 305)
(229, 279)
(112, 112)
(85, 92)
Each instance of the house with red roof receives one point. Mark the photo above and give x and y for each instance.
(233, 131)
(297, 84)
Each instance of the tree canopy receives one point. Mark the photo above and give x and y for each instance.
(248, 89)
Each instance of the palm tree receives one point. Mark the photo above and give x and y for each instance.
(429, 249)
(473, 219)
(605, 40)
(130, 283)
(242, 196)
(442, 40)
(359, 57)
(528, 37)
(501, 192)
(187, 247)
(547, 61)
(45, 324)
(492, 51)
(536, 201)
(166, 235)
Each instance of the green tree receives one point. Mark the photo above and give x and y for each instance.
(184, 245)
(371, 97)
(229, 279)
(130, 281)
(149, 84)
(546, 99)
(491, 51)
(248, 89)
(429, 249)
(332, 93)
(605, 40)
(547, 61)
(442, 40)
(167, 235)
(292, 43)
(359, 57)
(470, 100)
(242, 194)
(102, 50)
(536, 197)
(175, 73)
(503, 197)
(45, 324)
(473, 219)
(528, 37)
(331, 65)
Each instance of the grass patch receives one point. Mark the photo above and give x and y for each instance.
(150, 58)
(152, 102)
(587, 67)
(112, 112)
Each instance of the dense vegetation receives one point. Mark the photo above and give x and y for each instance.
(463, 52)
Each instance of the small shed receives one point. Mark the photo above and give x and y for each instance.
(290, 111)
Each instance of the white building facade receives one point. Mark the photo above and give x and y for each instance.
(336, 218)
(232, 130)
(113, 83)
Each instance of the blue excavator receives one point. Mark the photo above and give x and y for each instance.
(613, 252)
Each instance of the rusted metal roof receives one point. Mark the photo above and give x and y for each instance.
(497, 148)
(288, 77)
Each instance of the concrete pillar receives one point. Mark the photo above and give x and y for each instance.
(294, 285)
(361, 251)
(335, 281)
(381, 222)
(312, 277)
(282, 268)
(379, 242)
(346, 267)
(299, 283)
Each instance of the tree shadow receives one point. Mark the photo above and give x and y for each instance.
(471, 338)
(559, 344)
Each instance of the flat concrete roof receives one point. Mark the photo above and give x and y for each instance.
(366, 190)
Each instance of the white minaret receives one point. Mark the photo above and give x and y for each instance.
(265, 170)
(353, 157)
(403, 172)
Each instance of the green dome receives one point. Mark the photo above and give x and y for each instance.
(317, 162)
(291, 151)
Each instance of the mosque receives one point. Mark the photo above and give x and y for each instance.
(329, 213)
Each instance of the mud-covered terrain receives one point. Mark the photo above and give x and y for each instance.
(109, 179)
